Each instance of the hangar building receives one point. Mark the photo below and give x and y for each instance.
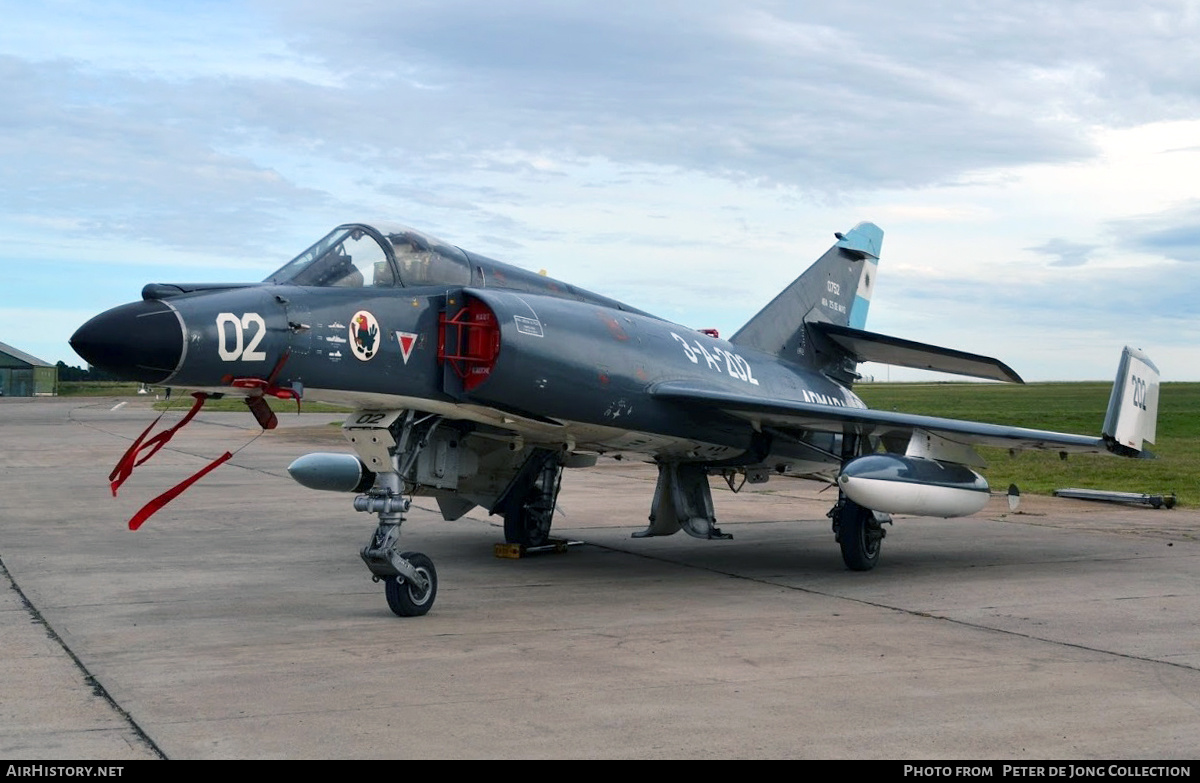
(22, 375)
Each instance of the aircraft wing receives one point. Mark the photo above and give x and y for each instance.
(796, 415)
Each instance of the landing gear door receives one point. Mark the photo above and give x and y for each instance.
(369, 431)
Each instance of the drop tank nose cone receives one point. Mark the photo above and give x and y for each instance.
(141, 341)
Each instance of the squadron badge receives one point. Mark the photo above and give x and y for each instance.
(364, 335)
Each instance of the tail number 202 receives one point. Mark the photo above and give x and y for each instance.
(1139, 392)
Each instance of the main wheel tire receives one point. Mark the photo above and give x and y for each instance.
(861, 537)
(403, 598)
(528, 518)
(528, 522)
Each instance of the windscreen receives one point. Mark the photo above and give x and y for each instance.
(345, 258)
(351, 257)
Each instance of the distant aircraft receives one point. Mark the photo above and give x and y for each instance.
(477, 383)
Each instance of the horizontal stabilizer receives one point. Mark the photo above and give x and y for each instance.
(873, 347)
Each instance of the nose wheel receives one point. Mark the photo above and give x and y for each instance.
(407, 597)
(409, 578)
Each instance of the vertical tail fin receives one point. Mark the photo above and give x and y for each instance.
(836, 289)
(1133, 405)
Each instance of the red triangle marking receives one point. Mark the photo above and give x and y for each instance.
(407, 341)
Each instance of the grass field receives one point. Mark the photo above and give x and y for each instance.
(1063, 407)
(225, 404)
(97, 389)
(181, 399)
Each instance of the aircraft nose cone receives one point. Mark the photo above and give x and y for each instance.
(140, 341)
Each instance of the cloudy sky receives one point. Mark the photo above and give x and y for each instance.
(1034, 165)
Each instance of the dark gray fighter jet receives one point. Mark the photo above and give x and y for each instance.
(477, 383)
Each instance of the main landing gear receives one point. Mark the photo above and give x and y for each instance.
(860, 533)
(530, 508)
(858, 530)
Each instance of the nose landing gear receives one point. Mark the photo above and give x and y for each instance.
(409, 578)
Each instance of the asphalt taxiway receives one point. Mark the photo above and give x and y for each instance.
(239, 622)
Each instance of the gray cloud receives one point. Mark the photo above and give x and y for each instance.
(422, 102)
(128, 157)
(1064, 252)
(1174, 234)
(854, 96)
(1159, 299)
(475, 120)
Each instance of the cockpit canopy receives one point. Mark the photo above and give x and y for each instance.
(388, 255)
(381, 255)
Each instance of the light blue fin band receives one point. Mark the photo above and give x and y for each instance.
(858, 312)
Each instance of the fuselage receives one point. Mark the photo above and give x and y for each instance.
(387, 318)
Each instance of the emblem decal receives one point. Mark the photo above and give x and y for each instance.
(364, 335)
(406, 341)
